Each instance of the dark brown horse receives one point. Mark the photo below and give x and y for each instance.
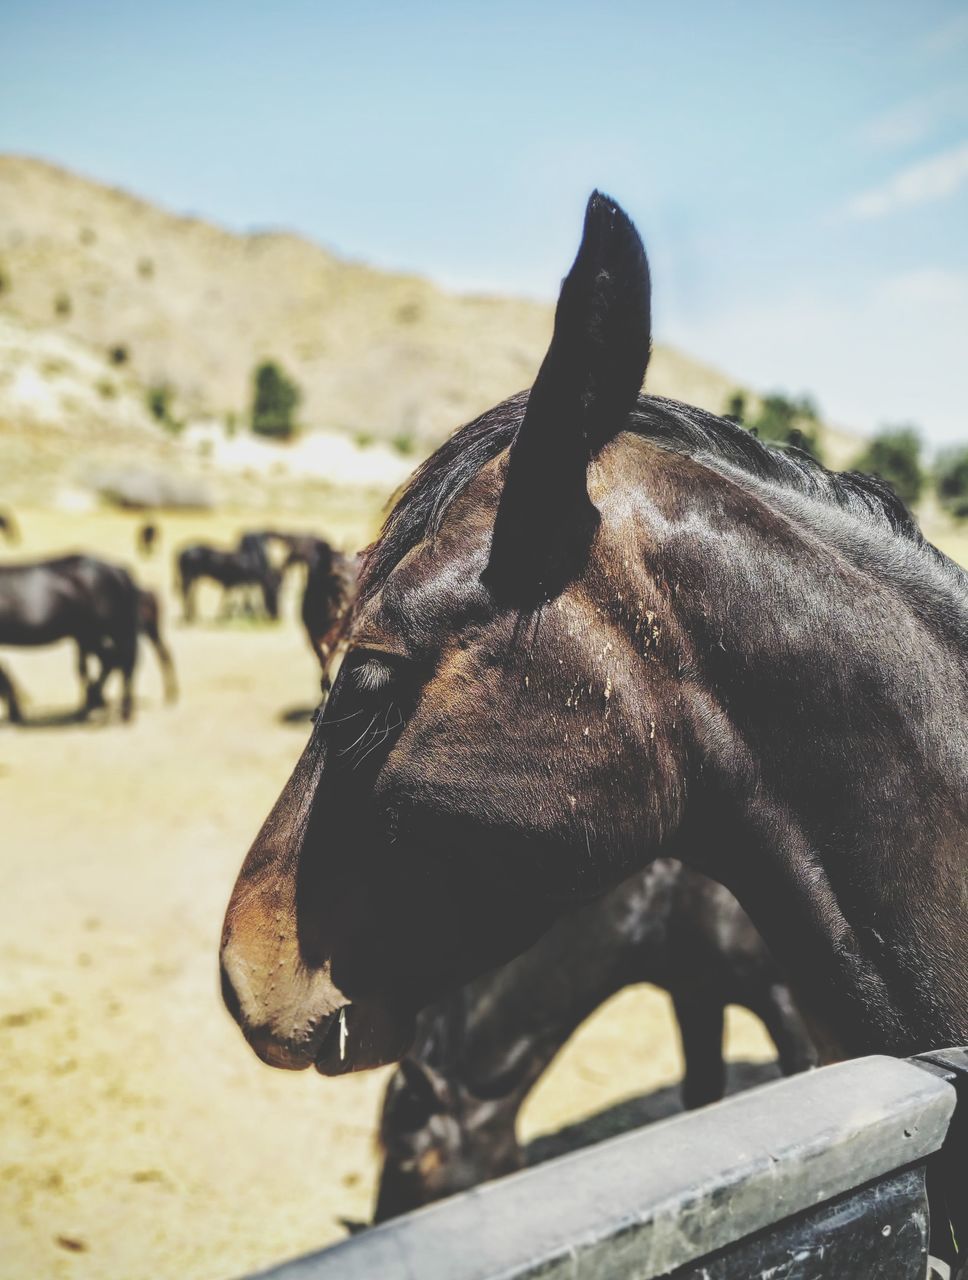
(451, 1108)
(327, 599)
(599, 628)
(246, 565)
(77, 597)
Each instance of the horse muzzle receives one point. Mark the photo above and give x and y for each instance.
(317, 1026)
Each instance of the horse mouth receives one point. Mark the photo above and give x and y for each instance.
(357, 1038)
(331, 1056)
(280, 1054)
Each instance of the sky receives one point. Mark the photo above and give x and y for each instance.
(799, 172)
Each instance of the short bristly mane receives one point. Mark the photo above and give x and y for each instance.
(423, 503)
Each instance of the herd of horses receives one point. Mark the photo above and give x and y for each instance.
(602, 629)
(100, 606)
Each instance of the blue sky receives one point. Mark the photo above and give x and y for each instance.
(799, 172)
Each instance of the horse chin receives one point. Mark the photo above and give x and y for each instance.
(359, 1037)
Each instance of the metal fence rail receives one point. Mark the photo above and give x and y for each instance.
(822, 1175)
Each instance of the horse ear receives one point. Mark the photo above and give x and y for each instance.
(586, 387)
(421, 1093)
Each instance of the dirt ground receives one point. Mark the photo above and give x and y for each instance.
(139, 1137)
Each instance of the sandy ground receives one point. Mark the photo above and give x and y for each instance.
(138, 1135)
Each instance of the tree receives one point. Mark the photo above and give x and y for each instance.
(951, 479)
(785, 421)
(274, 402)
(894, 455)
(160, 402)
(736, 407)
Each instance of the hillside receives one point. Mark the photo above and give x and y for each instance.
(195, 307)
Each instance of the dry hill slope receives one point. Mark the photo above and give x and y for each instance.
(196, 306)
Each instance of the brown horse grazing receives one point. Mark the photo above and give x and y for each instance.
(244, 566)
(599, 628)
(451, 1108)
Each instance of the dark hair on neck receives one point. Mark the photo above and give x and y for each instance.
(420, 509)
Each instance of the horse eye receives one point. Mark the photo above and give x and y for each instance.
(372, 676)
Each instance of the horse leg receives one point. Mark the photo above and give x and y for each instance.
(93, 687)
(8, 694)
(701, 1020)
(165, 661)
(127, 657)
(778, 1013)
(188, 599)
(84, 673)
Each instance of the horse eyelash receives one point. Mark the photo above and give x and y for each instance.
(372, 676)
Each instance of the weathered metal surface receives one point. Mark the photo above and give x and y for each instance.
(948, 1169)
(878, 1232)
(649, 1202)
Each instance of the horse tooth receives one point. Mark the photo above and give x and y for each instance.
(342, 1034)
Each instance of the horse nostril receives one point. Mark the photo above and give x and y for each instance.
(229, 995)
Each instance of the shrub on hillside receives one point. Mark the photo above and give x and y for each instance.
(894, 455)
(160, 404)
(274, 402)
(404, 443)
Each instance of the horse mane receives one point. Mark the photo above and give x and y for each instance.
(718, 442)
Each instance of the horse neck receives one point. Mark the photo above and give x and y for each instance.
(518, 1018)
(828, 711)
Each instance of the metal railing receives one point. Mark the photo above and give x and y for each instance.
(821, 1175)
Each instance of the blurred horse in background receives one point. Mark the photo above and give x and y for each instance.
(246, 566)
(147, 539)
(149, 625)
(295, 548)
(76, 597)
(327, 601)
